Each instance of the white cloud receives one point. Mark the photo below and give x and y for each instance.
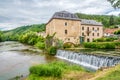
(117, 12)
(15, 13)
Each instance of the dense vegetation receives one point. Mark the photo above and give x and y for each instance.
(106, 39)
(15, 33)
(115, 3)
(107, 21)
(117, 32)
(1, 36)
(102, 45)
(55, 69)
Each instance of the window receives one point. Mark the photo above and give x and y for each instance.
(98, 29)
(93, 34)
(65, 23)
(97, 34)
(82, 28)
(88, 40)
(65, 31)
(87, 28)
(68, 39)
(83, 34)
(87, 34)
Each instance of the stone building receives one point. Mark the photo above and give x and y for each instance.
(69, 28)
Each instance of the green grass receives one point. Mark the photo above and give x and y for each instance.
(112, 75)
(54, 70)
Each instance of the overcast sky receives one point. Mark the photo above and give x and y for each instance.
(15, 13)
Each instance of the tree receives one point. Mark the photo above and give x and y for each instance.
(0, 36)
(111, 21)
(115, 3)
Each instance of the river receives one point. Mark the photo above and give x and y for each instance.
(16, 59)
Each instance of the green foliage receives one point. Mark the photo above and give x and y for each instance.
(115, 3)
(52, 50)
(113, 76)
(1, 36)
(59, 43)
(29, 38)
(13, 35)
(68, 45)
(105, 19)
(105, 39)
(100, 45)
(46, 70)
(117, 32)
(49, 40)
(40, 45)
(111, 21)
(54, 69)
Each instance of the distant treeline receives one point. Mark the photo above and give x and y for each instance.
(108, 21)
(16, 33)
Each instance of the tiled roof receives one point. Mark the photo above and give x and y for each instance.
(111, 31)
(65, 15)
(90, 22)
(71, 16)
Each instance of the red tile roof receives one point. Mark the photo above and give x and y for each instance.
(111, 31)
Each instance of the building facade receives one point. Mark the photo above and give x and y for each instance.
(69, 28)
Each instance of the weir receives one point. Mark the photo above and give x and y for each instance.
(88, 60)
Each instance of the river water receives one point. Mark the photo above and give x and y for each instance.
(16, 58)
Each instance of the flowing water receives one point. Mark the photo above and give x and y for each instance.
(16, 58)
(88, 60)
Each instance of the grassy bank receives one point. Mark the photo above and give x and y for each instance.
(58, 71)
(110, 74)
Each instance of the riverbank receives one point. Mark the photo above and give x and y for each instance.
(16, 59)
(110, 73)
(58, 71)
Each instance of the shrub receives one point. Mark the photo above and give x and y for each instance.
(40, 45)
(52, 50)
(68, 45)
(100, 45)
(107, 39)
(54, 69)
(46, 70)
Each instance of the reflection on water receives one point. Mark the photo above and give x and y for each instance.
(16, 58)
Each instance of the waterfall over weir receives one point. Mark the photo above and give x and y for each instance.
(87, 60)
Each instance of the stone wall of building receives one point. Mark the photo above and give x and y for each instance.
(66, 30)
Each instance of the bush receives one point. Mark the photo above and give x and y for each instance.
(52, 50)
(100, 45)
(68, 45)
(54, 69)
(107, 39)
(46, 70)
(40, 45)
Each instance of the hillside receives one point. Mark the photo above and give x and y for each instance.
(107, 21)
(15, 33)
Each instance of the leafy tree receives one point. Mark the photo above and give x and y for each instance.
(117, 32)
(0, 36)
(115, 3)
(105, 19)
(111, 21)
